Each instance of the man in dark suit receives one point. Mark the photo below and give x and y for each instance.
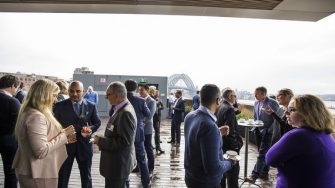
(141, 110)
(117, 145)
(263, 134)
(80, 113)
(226, 116)
(196, 101)
(203, 159)
(20, 93)
(177, 118)
(9, 110)
(157, 118)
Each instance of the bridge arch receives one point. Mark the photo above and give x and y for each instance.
(182, 82)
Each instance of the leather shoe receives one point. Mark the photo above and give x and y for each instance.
(170, 142)
(136, 169)
(250, 179)
(264, 177)
(159, 150)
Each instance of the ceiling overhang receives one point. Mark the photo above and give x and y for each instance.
(300, 10)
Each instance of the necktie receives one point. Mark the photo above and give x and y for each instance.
(76, 108)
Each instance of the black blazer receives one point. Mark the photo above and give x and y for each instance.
(66, 116)
(226, 116)
(179, 111)
(9, 109)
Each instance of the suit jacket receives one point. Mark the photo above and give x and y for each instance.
(179, 110)
(203, 160)
(141, 110)
(261, 115)
(66, 115)
(41, 150)
(20, 95)
(9, 109)
(226, 116)
(118, 157)
(196, 102)
(159, 108)
(148, 122)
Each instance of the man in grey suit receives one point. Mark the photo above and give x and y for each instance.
(263, 134)
(118, 157)
(148, 127)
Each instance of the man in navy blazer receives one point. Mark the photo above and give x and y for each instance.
(141, 110)
(9, 109)
(177, 118)
(80, 113)
(203, 159)
(263, 134)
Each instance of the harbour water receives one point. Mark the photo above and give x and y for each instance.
(329, 104)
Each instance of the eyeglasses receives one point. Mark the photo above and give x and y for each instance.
(108, 94)
(290, 110)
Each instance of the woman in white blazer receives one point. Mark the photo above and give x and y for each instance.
(41, 139)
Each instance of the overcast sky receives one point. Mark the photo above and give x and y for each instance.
(234, 52)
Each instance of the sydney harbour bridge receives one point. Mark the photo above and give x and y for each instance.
(182, 82)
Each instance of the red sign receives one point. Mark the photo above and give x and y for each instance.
(102, 80)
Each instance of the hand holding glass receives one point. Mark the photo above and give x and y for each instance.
(86, 131)
(69, 130)
(224, 130)
(70, 133)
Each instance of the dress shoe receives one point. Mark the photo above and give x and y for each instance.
(264, 177)
(170, 142)
(250, 179)
(159, 150)
(136, 169)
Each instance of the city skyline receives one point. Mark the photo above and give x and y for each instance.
(230, 52)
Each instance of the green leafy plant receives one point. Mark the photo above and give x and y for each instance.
(245, 114)
(188, 108)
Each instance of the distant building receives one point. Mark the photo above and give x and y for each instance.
(29, 79)
(100, 83)
(83, 70)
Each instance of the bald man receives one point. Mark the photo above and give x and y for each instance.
(80, 113)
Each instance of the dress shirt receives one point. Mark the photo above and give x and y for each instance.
(117, 107)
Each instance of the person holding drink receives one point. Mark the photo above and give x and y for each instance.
(82, 114)
(41, 138)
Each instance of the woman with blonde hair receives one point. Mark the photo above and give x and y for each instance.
(63, 93)
(41, 139)
(305, 156)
